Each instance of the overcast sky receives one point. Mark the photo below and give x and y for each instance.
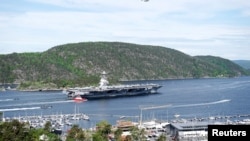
(195, 27)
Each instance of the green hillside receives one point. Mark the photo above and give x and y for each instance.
(224, 65)
(80, 64)
(243, 63)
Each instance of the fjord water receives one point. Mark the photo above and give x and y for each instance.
(189, 98)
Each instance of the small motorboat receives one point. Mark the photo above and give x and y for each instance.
(46, 106)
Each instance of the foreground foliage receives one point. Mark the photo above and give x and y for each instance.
(19, 131)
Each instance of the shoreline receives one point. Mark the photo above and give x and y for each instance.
(16, 85)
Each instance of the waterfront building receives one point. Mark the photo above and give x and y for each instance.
(189, 131)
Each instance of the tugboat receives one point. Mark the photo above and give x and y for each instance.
(79, 99)
(104, 90)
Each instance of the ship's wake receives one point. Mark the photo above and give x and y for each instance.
(1, 100)
(185, 105)
(21, 106)
(13, 99)
(19, 109)
(203, 104)
(40, 103)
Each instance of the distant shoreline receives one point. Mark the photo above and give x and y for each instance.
(40, 90)
(122, 81)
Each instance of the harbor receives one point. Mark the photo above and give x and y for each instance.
(153, 128)
(179, 103)
(58, 121)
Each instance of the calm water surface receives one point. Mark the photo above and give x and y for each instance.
(188, 98)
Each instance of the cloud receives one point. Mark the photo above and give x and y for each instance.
(155, 5)
(194, 26)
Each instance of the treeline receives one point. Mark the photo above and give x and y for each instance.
(80, 64)
(21, 131)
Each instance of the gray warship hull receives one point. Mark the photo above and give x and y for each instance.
(114, 91)
(106, 91)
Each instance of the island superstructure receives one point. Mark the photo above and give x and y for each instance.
(104, 90)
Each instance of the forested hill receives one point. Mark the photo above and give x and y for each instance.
(243, 63)
(80, 64)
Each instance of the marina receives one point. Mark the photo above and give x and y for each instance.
(58, 121)
(61, 123)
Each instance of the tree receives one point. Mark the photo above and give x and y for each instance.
(98, 137)
(103, 129)
(138, 134)
(162, 137)
(47, 127)
(13, 131)
(1, 116)
(21, 131)
(128, 138)
(118, 134)
(76, 133)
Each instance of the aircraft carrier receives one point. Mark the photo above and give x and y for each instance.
(104, 90)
